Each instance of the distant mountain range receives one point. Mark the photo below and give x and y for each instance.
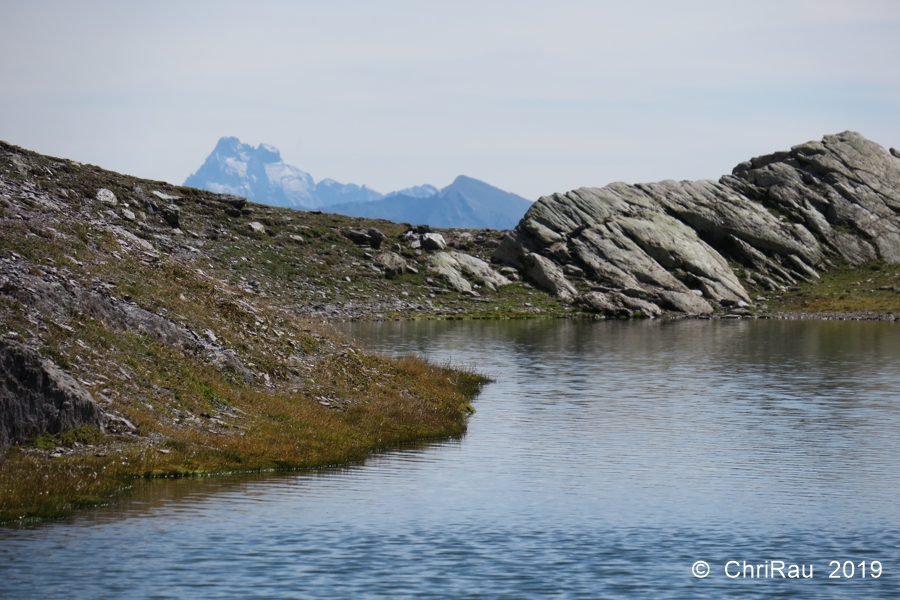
(466, 203)
(259, 174)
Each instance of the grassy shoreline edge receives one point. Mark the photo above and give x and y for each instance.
(36, 486)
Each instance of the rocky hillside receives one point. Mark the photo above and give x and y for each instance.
(699, 246)
(153, 329)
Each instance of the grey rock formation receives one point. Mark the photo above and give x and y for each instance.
(172, 215)
(845, 189)
(37, 397)
(106, 197)
(619, 305)
(358, 236)
(457, 269)
(375, 237)
(787, 216)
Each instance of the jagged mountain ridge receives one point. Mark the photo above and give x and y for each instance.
(242, 170)
(782, 218)
(466, 202)
(260, 175)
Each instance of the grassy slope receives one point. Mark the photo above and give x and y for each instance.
(314, 399)
(870, 291)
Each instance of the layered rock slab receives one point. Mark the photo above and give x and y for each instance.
(845, 188)
(783, 216)
(459, 270)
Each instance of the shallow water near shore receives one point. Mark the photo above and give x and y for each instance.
(604, 461)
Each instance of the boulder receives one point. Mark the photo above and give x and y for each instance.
(617, 304)
(392, 263)
(106, 197)
(172, 215)
(235, 202)
(685, 302)
(458, 269)
(358, 237)
(433, 241)
(256, 227)
(446, 267)
(375, 238)
(37, 397)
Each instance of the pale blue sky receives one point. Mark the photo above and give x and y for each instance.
(534, 97)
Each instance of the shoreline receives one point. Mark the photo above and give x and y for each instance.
(146, 460)
(191, 324)
(54, 476)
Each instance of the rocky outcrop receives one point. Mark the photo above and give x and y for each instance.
(37, 397)
(845, 189)
(783, 217)
(459, 270)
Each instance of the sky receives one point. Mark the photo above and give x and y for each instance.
(532, 97)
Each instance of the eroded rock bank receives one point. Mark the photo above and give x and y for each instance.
(678, 245)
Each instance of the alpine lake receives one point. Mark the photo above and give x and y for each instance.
(606, 460)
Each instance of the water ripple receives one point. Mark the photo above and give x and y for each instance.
(605, 459)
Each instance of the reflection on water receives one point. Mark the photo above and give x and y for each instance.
(605, 459)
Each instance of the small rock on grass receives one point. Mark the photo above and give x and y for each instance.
(106, 197)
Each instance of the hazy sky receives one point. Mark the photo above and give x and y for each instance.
(533, 97)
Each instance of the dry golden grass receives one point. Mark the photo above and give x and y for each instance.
(399, 401)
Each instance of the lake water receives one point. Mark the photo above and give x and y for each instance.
(605, 460)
